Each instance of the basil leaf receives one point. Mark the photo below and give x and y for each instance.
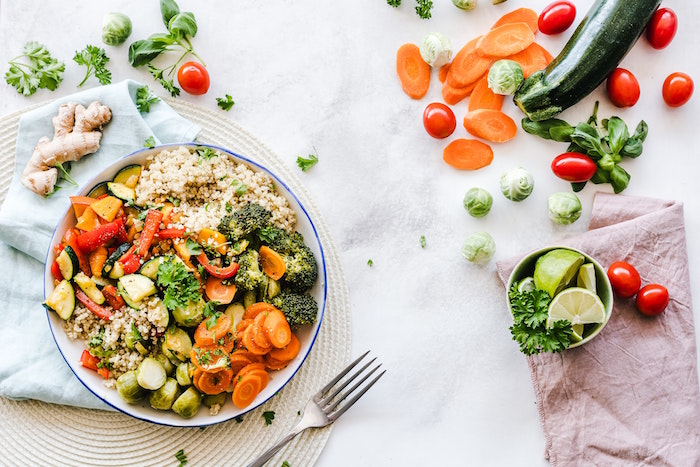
(577, 186)
(183, 24)
(606, 163)
(619, 178)
(617, 134)
(561, 134)
(168, 9)
(543, 128)
(587, 137)
(143, 51)
(641, 132)
(632, 148)
(600, 176)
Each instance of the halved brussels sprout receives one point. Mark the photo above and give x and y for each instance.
(190, 315)
(164, 397)
(214, 399)
(183, 373)
(177, 344)
(150, 374)
(436, 49)
(129, 389)
(188, 403)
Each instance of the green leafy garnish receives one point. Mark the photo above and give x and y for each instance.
(240, 188)
(226, 103)
(394, 3)
(149, 142)
(193, 247)
(206, 153)
(180, 286)
(370, 263)
(145, 99)
(305, 163)
(422, 241)
(529, 329)
(269, 415)
(34, 69)
(423, 8)
(95, 59)
(181, 457)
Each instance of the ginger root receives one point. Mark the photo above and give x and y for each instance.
(77, 132)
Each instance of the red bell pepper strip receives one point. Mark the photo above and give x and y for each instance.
(71, 238)
(219, 272)
(100, 311)
(130, 261)
(90, 240)
(122, 236)
(150, 227)
(171, 233)
(112, 296)
(56, 271)
(91, 362)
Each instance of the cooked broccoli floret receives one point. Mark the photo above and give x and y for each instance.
(277, 239)
(244, 221)
(298, 308)
(249, 275)
(302, 270)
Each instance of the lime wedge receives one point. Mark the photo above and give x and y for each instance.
(576, 332)
(586, 277)
(578, 306)
(556, 269)
(526, 285)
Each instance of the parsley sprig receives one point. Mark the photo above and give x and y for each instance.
(180, 286)
(529, 329)
(305, 163)
(145, 99)
(95, 59)
(226, 103)
(34, 69)
(423, 7)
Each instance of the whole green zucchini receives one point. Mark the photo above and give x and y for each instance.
(605, 35)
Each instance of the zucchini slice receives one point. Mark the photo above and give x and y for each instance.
(98, 190)
(88, 286)
(137, 286)
(121, 191)
(127, 299)
(150, 267)
(128, 176)
(117, 271)
(62, 300)
(68, 262)
(112, 259)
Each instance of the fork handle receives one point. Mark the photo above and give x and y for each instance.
(267, 455)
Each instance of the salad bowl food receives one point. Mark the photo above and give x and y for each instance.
(185, 285)
(574, 285)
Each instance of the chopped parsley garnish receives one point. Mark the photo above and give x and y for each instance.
(206, 153)
(180, 286)
(370, 263)
(145, 99)
(193, 247)
(422, 241)
(226, 102)
(305, 163)
(150, 142)
(240, 188)
(228, 207)
(135, 331)
(181, 457)
(269, 416)
(175, 201)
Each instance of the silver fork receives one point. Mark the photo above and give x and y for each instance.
(324, 407)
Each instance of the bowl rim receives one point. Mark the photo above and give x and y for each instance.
(534, 254)
(323, 277)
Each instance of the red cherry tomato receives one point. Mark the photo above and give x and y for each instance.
(556, 17)
(439, 120)
(661, 28)
(623, 88)
(652, 299)
(677, 89)
(193, 78)
(573, 167)
(624, 279)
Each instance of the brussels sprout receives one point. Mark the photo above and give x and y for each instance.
(163, 397)
(167, 364)
(517, 184)
(150, 374)
(478, 202)
(564, 208)
(177, 344)
(183, 373)
(465, 4)
(190, 315)
(479, 248)
(188, 403)
(116, 28)
(214, 399)
(436, 49)
(129, 389)
(505, 76)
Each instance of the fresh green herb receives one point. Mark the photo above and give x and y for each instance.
(145, 99)
(240, 188)
(182, 27)
(181, 457)
(95, 59)
(285, 464)
(206, 153)
(268, 234)
(97, 339)
(370, 263)
(226, 103)
(394, 3)
(210, 314)
(63, 174)
(423, 8)
(223, 177)
(143, 213)
(422, 241)
(150, 142)
(239, 419)
(193, 247)
(305, 163)
(269, 415)
(228, 208)
(135, 331)
(34, 69)
(605, 143)
(529, 329)
(180, 286)
(175, 201)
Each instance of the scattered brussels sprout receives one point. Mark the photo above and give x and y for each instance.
(210, 400)
(177, 344)
(150, 374)
(465, 4)
(564, 208)
(116, 28)
(129, 389)
(163, 397)
(479, 248)
(517, 184)
(183, 373)
(436, 49)
(190, 315)
(478, 202)
(505, 76)
(188, 403)
(167, 364)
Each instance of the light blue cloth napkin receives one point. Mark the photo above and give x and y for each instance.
(32, 367)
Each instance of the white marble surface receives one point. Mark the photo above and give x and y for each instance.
(321, 74)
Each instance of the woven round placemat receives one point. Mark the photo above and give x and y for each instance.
(37, 433)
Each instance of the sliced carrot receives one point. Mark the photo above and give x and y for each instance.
(210, 330)
(259, 334)
(468, 65)
(288, 352)
(272, 263)
(506, 40)
(442, 73)
(249, 343)
(491, 125)
(277, 329)
(196, 374)
(239, 359)
(219, 291)
(250, 368)
(209, 358)
(452, 95)
(520, 15)
(253, 310)
(467, 154)
(482, 97)
(413, 72)
(245, 390)
(97, 259)
(532, 59)
(272, 363)
(214, 383)
(547, 56)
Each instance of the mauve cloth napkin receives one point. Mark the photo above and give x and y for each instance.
(631, 395)
(31, 366)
